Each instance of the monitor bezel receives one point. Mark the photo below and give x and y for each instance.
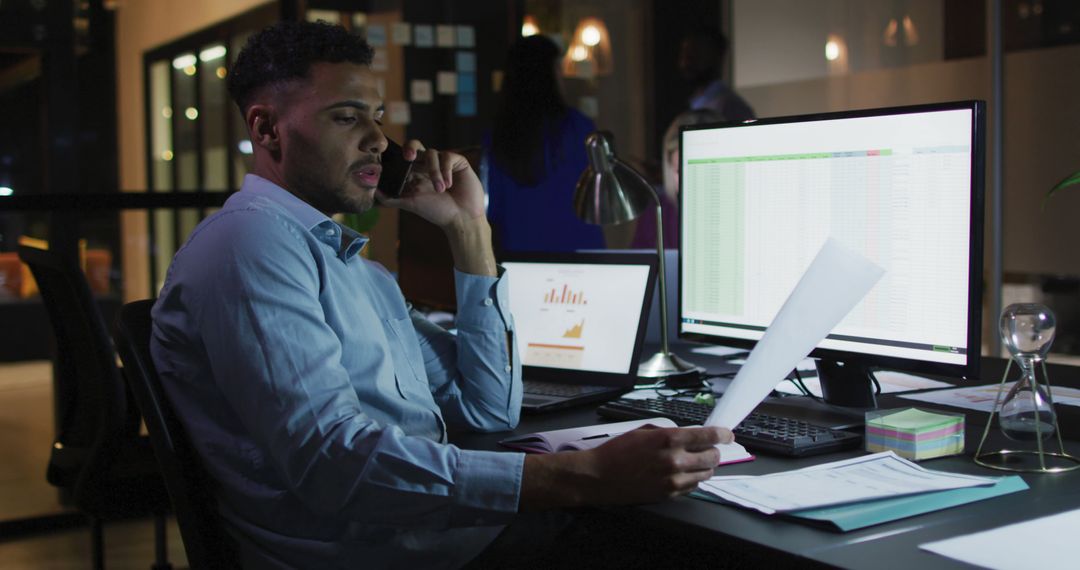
(569, 376)
(970, 370)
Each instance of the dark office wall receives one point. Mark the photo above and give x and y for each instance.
(670, 21)
(497, 24)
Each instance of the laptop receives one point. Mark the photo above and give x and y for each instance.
(580, 320)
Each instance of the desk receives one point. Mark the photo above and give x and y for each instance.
(890, 545)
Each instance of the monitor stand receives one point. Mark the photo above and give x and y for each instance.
(848, 393)
(847, 384)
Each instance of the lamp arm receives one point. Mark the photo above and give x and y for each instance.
(662, 277)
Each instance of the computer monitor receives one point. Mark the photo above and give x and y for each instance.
(902, 185)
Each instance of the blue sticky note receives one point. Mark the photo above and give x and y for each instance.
(466, 61)
(376, 35)
(466, 83)
(466, 104)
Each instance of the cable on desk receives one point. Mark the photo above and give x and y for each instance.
(798, 382)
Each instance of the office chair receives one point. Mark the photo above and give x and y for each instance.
(99, 458)
(205, 540)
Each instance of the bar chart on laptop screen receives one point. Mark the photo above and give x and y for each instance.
(756, 217)
(576, 316)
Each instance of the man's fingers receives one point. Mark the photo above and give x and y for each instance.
(447, 164)
(412, 149)
(705, 459)
(688, 481)
(699, 439)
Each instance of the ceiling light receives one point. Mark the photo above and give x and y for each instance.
(590, 35)
(183, 61)
(832, 50)
(211, 53)
(529, 27)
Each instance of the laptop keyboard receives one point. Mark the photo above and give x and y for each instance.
(758, 432)
(539, 388)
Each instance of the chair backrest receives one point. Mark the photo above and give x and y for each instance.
(190, 487)
(93, 417)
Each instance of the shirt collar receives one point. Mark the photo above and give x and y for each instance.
(319, 224)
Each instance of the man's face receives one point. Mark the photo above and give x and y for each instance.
(330, 137)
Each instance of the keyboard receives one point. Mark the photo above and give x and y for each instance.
(758, 432)
(540, 388)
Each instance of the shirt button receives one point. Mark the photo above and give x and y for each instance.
(508, 368)
(488, 302)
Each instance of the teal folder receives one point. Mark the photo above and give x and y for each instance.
(868, 513)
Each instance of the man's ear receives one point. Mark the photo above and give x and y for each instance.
(262, 123)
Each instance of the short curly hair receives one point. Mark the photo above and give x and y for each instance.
(286, 50)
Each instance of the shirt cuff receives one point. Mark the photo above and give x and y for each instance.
(483, 301)
(488, 487)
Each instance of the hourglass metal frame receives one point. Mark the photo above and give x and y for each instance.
(1004, 453)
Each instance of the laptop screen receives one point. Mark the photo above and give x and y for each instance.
(583, 313)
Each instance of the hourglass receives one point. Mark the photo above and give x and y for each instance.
(1025, 412)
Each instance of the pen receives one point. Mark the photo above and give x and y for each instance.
(597, 436)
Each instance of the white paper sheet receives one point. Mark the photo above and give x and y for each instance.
(891, 383)
(982, 398)
(862, 478)
(1047, 542)
(835, 282)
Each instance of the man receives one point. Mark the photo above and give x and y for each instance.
(317, 399)
(701, 62)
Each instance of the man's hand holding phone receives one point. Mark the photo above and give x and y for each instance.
(442, 188)
(439, 186)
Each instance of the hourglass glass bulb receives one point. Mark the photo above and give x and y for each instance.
(1027, 330)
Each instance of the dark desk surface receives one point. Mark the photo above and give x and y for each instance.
(890, 545)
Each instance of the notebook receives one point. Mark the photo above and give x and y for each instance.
(580, 321)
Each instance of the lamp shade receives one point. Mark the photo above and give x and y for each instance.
(609, 191)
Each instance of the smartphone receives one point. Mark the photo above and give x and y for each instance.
(395, 170)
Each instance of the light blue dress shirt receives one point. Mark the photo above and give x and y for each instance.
(320, 401)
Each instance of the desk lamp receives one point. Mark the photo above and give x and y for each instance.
(611, 192)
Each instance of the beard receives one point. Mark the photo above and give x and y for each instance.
(311, 179)
(331, 197)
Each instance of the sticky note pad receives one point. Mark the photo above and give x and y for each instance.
(914, 433)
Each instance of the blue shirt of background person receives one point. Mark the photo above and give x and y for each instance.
(535, 155)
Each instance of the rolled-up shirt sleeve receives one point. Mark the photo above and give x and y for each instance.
(475, 375)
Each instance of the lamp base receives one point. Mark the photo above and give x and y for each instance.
(665, 364)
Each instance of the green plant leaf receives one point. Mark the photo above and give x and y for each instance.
(1070, 180)
(362, 222)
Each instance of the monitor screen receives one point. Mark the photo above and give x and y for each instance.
(903, 186)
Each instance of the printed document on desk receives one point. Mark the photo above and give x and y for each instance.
(982, 398)
(864, 478)
(835, 282)
(1047, 542)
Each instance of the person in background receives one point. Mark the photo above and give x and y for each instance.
(318, 400)
(645, 231)
(534, 156)
(701, 62)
